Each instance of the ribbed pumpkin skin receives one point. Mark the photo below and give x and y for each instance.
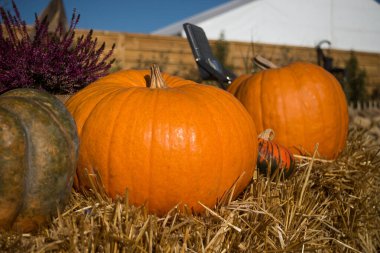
(177, 145)
(38, 153)
(302, 103)
(273, 157)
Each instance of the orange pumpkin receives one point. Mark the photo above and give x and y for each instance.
(167, 140)
(303, 103)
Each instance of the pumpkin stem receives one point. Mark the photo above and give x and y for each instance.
(156, 79)
(264, 63)
(267, 134)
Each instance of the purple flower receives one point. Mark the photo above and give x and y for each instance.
(57, 62)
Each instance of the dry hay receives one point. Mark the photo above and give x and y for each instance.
(325, 207)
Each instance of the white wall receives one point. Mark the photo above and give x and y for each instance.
(348, 24)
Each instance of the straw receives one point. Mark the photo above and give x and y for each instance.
(326, 206)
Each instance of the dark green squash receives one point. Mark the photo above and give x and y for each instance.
(38, 155)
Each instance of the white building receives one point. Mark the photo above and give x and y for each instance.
(347, 24)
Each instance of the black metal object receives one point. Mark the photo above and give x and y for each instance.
(326, 61)
(209, 67)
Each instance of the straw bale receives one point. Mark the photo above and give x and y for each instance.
(327, 206)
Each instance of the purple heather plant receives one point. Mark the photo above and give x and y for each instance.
(53, 61)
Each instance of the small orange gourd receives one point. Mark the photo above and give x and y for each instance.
(303, 103)
(167, 140)
(274, 158)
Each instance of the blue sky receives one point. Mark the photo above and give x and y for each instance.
(141, 16)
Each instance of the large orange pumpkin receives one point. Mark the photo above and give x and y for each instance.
(303, 103)
(173, 142)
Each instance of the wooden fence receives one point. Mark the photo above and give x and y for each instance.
(365, 105)
(174, 55)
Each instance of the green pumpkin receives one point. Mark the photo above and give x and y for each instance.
(38, 155)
